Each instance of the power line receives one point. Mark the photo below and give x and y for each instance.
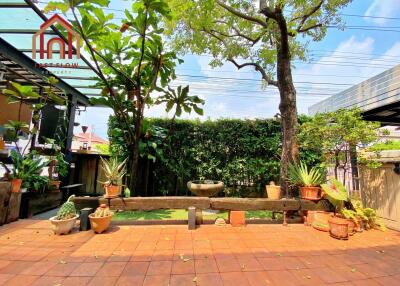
(248, 79)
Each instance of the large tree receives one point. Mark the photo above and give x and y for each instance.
(264, 35)
(133, 65)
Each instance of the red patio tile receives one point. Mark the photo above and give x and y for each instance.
(282, 278)
(209, 279)
(329, 275)
(183, 280)
(130, 280)
(76, 281)
(22, 280)
(63, 268)
(183, 266)
(103, 281)
(228, 265)
(5, 277)
(366, 282)
(258, 278)
(156, 280)
(159, 268)
(269, 263)
(48, 281)
(87, 269)
(111, 269)
(206, 266)
(234, 278)
(135, 268)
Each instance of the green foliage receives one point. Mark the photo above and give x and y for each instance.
(133, 62)
(368, 215)
(26, 166)
(114, 171)
(383, 146)
(336, 134)
(104, 149)
(336, 193)
(244, 154)
(298, 174)
(67, 210)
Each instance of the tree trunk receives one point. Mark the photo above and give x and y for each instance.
(287, 106)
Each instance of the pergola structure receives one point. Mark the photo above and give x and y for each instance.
(19, 22)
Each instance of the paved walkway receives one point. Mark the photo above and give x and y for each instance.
(211, 256)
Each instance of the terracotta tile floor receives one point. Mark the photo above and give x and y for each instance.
(211, 256)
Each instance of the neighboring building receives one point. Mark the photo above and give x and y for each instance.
(378, 98)
(88, 139)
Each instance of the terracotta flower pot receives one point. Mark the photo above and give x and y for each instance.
(16, 185)
(339, 228)
(54, 185)
(352, 226)
(112, 190)
(358, 227)
(273, 192)
(319, 219)
(63, 226)
(310, 193)
(99, 224)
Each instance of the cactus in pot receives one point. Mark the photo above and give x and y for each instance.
(101, 218)
(66, 217)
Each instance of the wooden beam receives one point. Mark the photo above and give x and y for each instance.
(240, 204)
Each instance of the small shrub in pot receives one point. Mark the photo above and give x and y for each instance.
(309, 180)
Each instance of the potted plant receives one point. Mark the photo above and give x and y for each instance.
(26, 169)
(337, 195)
(101, 218)
(114, 171)
(65, 219)
(308, 180)
(273, 191)
(352, 219)
(57, 167)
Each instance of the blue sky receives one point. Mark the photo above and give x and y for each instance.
(341, 59)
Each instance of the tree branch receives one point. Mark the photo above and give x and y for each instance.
(258, 68)
(239, 33)
(309, 28)
(241, 15)
(305, 17)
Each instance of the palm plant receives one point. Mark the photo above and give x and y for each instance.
(299, 174)
(114, 171)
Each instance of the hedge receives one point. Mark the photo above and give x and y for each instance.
(244, 154)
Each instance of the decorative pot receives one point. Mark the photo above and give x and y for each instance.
(54, 185)
(273, 191)
(310, 193)
(206, 188)
(339, 227)
(112, 191)
(352, 226)
(358, 227)
(99, 224)
(16, 185)
(319, 220)
(63, 226)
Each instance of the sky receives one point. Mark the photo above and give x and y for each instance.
(340, 60)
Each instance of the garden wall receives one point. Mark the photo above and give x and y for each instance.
(380, 189)
(244, 154)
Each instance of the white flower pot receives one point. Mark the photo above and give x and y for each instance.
(63, 226)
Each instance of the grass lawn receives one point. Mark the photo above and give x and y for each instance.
(181, 215)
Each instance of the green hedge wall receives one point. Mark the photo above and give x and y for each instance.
(244, 154)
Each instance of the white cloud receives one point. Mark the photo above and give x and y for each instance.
(382, 8)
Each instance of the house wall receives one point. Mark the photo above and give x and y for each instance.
(10, 111)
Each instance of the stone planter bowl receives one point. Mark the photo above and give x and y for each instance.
(63, 226)
(207, 188)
